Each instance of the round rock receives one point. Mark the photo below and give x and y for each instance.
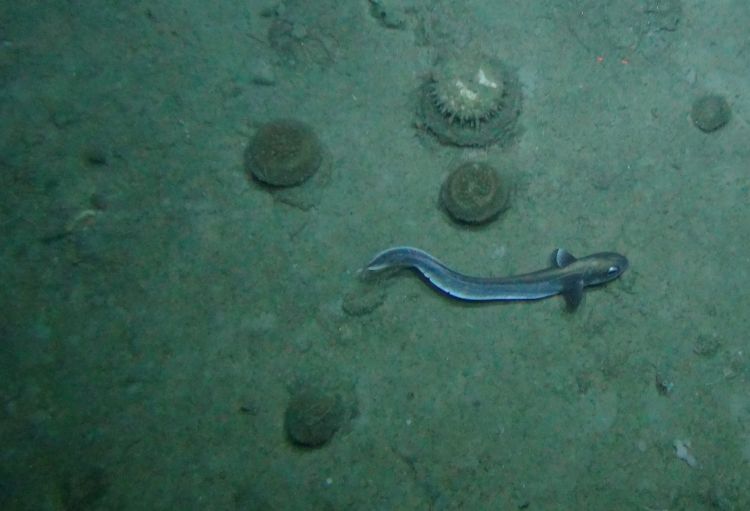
(711, 112)
(474, 193)
(284, 153)
(313, 416)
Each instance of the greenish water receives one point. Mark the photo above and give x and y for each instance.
(172, 330)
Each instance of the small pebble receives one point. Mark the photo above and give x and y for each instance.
(262, 72)
(682, 451)
(387, 13)
(362, 301)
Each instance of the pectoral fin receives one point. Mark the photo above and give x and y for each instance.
(573, 293)
(562, 258)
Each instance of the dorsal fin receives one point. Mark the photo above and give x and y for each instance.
(562, 258)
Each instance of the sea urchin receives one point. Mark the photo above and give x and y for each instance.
(470, 101)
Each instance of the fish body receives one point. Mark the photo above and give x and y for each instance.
(567, 276)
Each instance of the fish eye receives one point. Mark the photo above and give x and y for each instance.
(613, 270)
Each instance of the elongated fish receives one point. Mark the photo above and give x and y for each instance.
(568, 276)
